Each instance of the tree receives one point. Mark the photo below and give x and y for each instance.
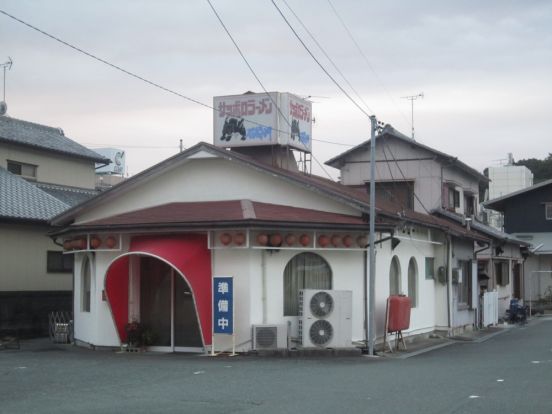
(541, 169)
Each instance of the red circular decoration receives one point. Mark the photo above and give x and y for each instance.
(304, 240)
(262, 239)
(336, 240)
(111, 242)
(347, 241)
(275, 239)
(225, 239)
(323, 240)
(239, 239)
(291, 239)
(79, 244)
(67, 245)
(95, 242)
(362, 241)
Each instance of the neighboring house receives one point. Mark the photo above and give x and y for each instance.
(528, 216)
(414, 176)
(42, 173)
(504, 180)
(147, 251)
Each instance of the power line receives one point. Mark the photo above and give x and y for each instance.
(328, 57)
(361, 52)
(318, 62)
(259, 80)
(136, 76)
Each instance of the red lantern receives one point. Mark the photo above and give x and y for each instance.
(347, 241)
(276, 240)
(362, 241)
(67, 244)
(336, 240)
(111, 242)
(225, 239)
(262, 239)
(79, 244)
(304, 240)
(95, 242)
(239, 239)
(290, 239)
(323, 240)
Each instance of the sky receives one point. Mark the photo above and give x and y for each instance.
(485, 69)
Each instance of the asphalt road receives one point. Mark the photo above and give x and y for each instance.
(509, 373)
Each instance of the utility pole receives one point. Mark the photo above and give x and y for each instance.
(412, 98)
(371, 319)
(6, 65)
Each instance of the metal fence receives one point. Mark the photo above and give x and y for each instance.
(60, 327)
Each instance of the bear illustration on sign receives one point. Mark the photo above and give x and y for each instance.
(232, 126)
(295, 132)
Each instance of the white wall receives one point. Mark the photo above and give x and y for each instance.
(214, 179)
(52, 168)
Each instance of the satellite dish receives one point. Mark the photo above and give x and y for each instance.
(3, 108)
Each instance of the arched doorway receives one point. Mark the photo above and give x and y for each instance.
(164, 283)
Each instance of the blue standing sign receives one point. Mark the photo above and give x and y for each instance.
(223, 305)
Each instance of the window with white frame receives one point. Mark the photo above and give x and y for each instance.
(395, 277)
(413, 282)
(548, 211)
(304, 271)
(23, 169)
(86, 283)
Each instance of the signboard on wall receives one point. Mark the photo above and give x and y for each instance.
(262, 119)
(223, 305)
(117, 157)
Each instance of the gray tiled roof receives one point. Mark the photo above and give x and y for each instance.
(69, 195)
(20, 199)
(26, 133)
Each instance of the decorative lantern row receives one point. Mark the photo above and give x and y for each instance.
(288, 239)
(95, 242)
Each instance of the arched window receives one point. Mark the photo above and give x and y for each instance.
(413, 282)
(395, 277)
(304, 271)
(86, 273)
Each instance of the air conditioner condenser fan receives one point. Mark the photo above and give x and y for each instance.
(321, 304)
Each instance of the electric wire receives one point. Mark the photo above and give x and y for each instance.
(328, 57)
(361, 52)
(141, 78)
(318, 62)
(260, 82)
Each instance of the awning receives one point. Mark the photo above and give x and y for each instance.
(188, 254)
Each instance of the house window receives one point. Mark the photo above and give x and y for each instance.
(413, 282)
(304, 271)
(548, 211)
(464, 282)
(86, 274)
(395, 277)
(22, 169)
(469, 205)
(396, 192)
(57, 262)
(454, 198)
(430, 268)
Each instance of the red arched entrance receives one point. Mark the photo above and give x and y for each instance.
(177, 271)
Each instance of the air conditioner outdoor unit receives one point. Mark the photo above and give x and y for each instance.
(266, 337)
(325, 318)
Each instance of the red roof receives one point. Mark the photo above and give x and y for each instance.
(217, 212)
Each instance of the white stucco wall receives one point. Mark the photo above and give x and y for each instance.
(214, 179)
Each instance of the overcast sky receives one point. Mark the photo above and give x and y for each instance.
(485, 69)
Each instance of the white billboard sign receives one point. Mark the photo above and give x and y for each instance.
(254, 119)
(117, 157)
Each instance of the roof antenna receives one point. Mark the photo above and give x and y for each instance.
(412, 98)
(5, 65)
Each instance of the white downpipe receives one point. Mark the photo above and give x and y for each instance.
(263, 287)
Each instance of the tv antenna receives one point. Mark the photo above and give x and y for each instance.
(6, 65)
(412, 98)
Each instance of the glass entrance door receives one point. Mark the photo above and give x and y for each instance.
(167, 308)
